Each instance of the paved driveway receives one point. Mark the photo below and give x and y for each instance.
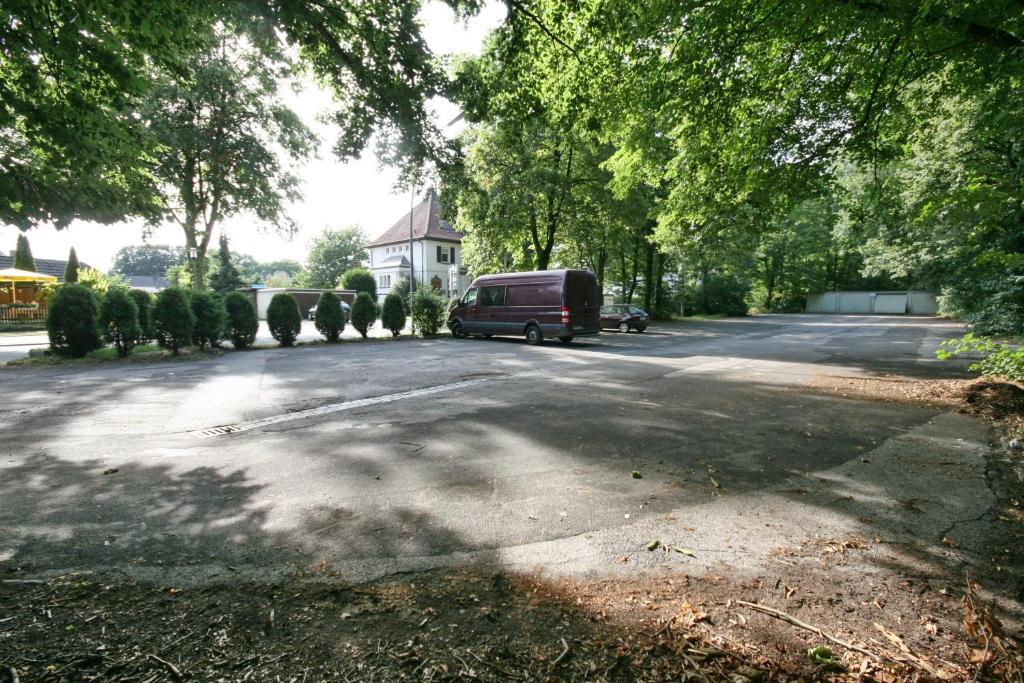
(389, 456)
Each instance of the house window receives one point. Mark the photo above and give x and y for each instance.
(442, 254)
(451, 251)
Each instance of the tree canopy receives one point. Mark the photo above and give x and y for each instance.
(331, 253)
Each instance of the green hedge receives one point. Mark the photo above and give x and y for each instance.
(330, 321)
(364, 313)
(173, 321)
(284, 319)
(73, 321)
(119, 317)
(208, 310)
(241, 321)
(392, 314)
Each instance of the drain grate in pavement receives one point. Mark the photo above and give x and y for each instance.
(222, 430)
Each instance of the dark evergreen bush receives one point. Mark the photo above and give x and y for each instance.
(360, 280)
(330, 320)
(73, 321)
(173, 321)
(364, 313)
(428, 311)
(119, 317)
(71, 267)
(144, 305)
(241, 321)
(284, 319)
(209, 314)
(392, 314)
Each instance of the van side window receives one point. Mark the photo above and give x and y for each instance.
(470, 297)
(492, 296)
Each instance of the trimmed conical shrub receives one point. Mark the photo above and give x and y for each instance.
(209, 314)
(241, 321)
(119, 317)
(144, 305)
(329, 320)
(173, 321)
(284, 319)
(392, 314)
(364, 313)
(71, 269)
(73, 321)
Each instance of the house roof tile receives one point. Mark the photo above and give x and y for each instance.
(426, 223)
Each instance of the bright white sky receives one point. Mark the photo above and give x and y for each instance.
(335, 194)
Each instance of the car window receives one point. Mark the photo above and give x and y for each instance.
(605, 310)
(492, 296)
(635, 311)
(470, 297)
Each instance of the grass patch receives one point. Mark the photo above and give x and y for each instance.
(144, 353)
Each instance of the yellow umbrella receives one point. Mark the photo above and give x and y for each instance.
(14, 275)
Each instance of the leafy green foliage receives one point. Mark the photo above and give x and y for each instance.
(428, 311)
(364, 313)
(400, 288)
(146, 259)
(226, 278)
(329, 319)
(71, 269)
(360, 280)
(392, 314)
(23, 255)
(333, 252)
(284, 319)
(226, 141)
(208, 310)
(997, 359)
(144, 307)
(173, 320)
(73, 321)
(242, 324)
(98, 282)
(119, 318)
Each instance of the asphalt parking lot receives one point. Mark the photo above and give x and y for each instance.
(387, 456)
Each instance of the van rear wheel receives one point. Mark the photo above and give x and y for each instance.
(533, 335)
(457, 331)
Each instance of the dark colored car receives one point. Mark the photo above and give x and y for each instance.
(624, 318)
(345, 310)
(539, 305)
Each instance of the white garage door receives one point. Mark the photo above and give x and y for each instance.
(893, 304)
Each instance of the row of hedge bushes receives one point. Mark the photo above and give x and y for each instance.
(80, 320)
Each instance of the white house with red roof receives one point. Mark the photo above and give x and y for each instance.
(435, 249)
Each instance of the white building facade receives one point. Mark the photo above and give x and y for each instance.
(434, 252)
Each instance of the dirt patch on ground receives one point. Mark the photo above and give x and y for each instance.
(999, 402)
(471, 624)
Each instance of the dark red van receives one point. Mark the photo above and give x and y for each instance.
(540, 305)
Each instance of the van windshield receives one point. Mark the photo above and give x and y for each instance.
(469, 297)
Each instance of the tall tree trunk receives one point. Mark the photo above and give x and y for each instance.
(659, 282)
(649, 277)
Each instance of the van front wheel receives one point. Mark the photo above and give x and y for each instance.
(457, 331)
(533, 335)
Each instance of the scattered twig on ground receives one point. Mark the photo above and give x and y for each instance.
(565, 653)
(921, 663)
(503, 672)
(173, 669)
(807, 627)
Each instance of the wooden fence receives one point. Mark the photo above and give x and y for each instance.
(14, 315)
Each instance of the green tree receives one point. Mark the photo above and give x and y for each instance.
(227, 140)
(119, 318)
(360, 280)
(364, 313)
(208, 311)
(73, 75)
(392, 314)
(330, 320)
(242, 323)
(284, 318)
(226, 278)
(71, 269)
(331, 254)
(173, 320)
(99, 282)
(23, 255)
(73, 321)
(146, 259)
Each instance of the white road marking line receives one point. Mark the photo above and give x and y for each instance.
(221, 430)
